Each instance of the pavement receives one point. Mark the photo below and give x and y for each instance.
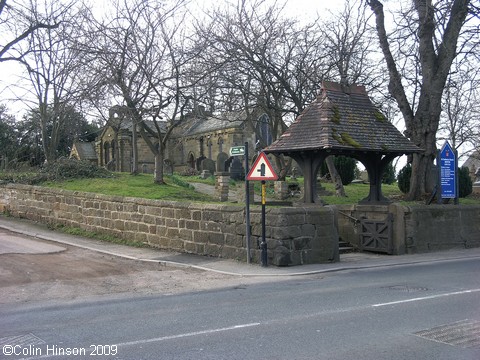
(351, 261)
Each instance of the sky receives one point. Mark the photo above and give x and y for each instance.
(304, 9)
(10, 71)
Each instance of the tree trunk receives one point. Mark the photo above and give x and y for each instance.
(337, 180)
(134, 148)
(435, 61)
(158, 172)
(424, 136)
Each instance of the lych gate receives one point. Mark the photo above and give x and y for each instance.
(343, 121)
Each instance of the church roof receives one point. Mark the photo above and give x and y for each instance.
(342, 119)
(85, 150)
(201, 125)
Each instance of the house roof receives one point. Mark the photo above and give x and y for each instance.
(85, 150)
(473, 160)
(342, 119)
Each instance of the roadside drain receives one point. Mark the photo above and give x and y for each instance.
(406, 288)
(21, 340)
(465, 333)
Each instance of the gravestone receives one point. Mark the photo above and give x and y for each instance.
(205, 174)
(208, 165)
(237, 171)
(168, 167)
(221, 159)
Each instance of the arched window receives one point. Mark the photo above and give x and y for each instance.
(264, 133)
(191, 161)
(106, 153)
(220, 145)
(113, 149)
(209, 147)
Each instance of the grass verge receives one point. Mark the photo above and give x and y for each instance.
(97, 236)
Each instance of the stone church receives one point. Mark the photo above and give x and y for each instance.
(200, 141)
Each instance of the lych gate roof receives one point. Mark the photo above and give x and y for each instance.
(342, 119)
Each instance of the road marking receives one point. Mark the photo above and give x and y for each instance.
(427, 297)
(163, 338)
(195, 333)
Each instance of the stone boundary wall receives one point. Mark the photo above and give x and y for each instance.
(442, 227)
(295, 236)
(416, 229)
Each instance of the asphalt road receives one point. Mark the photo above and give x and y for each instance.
(429, 311)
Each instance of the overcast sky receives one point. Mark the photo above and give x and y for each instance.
(9, 71)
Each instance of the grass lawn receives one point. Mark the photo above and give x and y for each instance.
(177, 189)
(140, 185)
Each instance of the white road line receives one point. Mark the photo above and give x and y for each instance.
(427, 297)
(158, 339)
(195, 333)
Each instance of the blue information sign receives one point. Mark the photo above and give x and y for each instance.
(448, 172)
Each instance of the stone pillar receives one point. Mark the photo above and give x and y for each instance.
(281, 190)
(242, 198)
(222, 180)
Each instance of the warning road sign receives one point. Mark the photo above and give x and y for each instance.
(262, 169)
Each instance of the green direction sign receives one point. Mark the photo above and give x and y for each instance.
(237, 150)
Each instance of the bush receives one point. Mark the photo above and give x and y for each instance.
(465, 185)
(403, 178)
(190, 172)
(64, 168)
(345, 166)
(389, 174)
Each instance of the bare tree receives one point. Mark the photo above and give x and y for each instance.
(17, 23)
(460, 120)
(434, 32)
(349, 55)
(264, 61)
(138, 56)
(51, 65)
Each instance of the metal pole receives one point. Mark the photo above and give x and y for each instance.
(457, 179)
(263, 245)
(247, 205)
(439, 182)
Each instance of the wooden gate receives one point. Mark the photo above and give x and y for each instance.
(376, 235)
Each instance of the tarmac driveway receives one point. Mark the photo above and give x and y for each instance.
(37, 270)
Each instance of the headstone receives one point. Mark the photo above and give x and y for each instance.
(294, 173)
(237, 171)
(208, 165)
(205, 174)
(198, 162)
(168, 167)
(221, 159)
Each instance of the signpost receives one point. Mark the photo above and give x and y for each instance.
(237, 151)
(262, 170)
(447, 161)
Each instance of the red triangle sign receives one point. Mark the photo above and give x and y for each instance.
(262, 169)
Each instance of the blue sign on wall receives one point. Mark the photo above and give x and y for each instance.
(448, 172)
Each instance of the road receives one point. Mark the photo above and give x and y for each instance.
(383, 313)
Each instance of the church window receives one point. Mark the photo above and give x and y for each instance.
(264, 133)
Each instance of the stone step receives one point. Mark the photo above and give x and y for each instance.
(345, 247)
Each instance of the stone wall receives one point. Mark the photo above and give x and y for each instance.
(295, 236)
(416, 229)
(441, 227)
